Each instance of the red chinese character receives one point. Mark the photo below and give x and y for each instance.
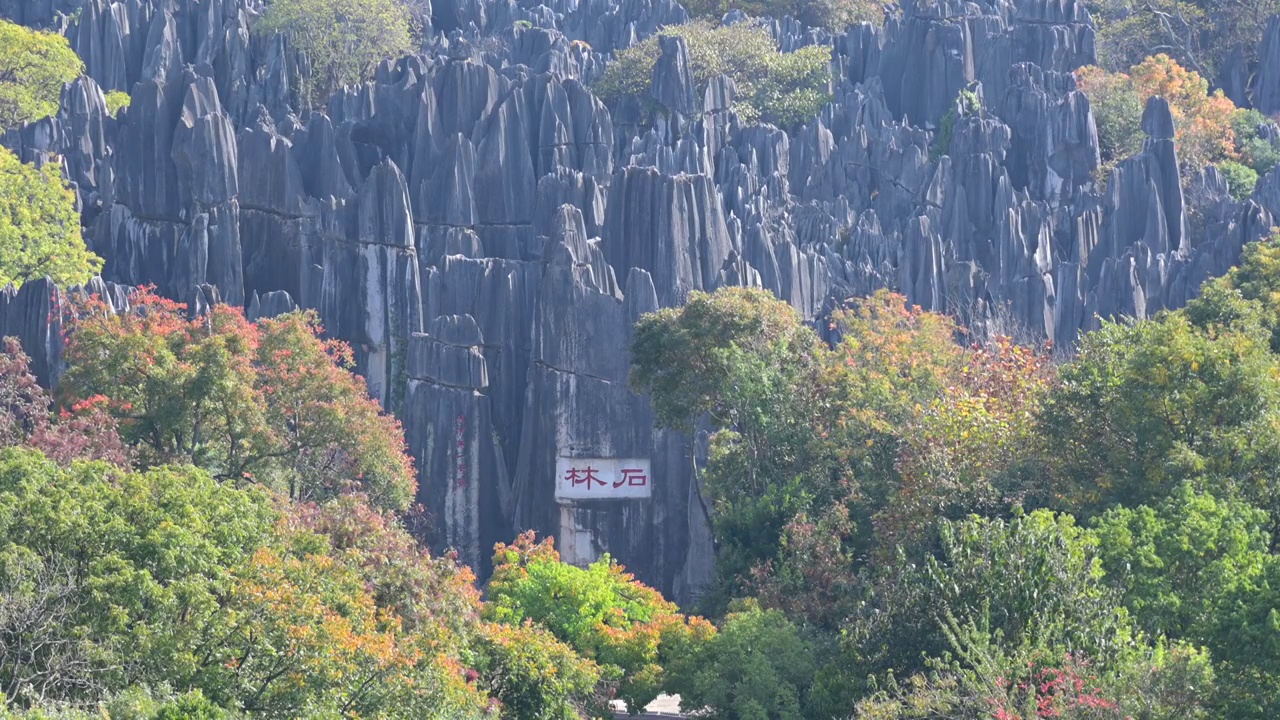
(633, 477)
(582, 477)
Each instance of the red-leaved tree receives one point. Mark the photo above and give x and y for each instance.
(272, 402)
(85, 431)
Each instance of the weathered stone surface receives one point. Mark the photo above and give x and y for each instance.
(1266, 94)
(672, 78)
(484, 231)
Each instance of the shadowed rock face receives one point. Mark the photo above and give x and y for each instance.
(484, 231)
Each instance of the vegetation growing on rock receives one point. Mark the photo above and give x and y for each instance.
(33, 68)
(39, 226)
(342, 40)
(834, 15)
(771, 86)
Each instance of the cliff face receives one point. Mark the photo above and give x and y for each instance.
(484, 231)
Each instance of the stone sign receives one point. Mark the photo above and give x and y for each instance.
(603, 478)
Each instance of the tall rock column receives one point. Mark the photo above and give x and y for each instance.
(579, 405)
(448, 425)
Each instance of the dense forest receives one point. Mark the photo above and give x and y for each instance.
(210, 512)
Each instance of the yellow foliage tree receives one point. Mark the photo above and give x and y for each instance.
(1202, 120)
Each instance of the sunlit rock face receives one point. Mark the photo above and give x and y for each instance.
(484, 231)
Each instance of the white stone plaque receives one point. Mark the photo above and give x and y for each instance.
(603, 478)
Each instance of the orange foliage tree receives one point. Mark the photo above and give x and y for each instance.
(271, 402)
(962, 452)
(1202, 120)
(302, 630)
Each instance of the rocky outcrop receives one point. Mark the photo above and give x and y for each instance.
(1266, 96)
(484, 231)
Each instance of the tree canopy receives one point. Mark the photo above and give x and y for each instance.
(269, 402)
(136, 585)
(39, 226)
(1204, 35)
(770, 86)
(834, 15)
(34, 67)
(114, 579)
(971, 529)
(342, 40)
(625, 627)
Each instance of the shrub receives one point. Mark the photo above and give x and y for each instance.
(776, 87)
(117, 101)
(967, 101)
(343, 40)
(1255, 151)
(834, 15)
(1240, 178)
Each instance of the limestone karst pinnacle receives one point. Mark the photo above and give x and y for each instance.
(483, 230)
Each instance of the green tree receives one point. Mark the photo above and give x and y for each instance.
(694, 359)
(834, 15)
(1175, 563)
(1033, 583)
(1203, 120)
(39, 226)
(780, 88)
(897, 424)
(33, 69)
(1198, 568)
(535, 676)
(1146, 404)
(1117, 112)
(1018, 622)
(749, 363)
(269, 402)
(124, 571)
(758, 666)
(342, 40)
(1246, 639)
(113, 580)
(1204, 35)
(1241, 179)
(627, 628)
(1249, 293)
(1256, 152)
